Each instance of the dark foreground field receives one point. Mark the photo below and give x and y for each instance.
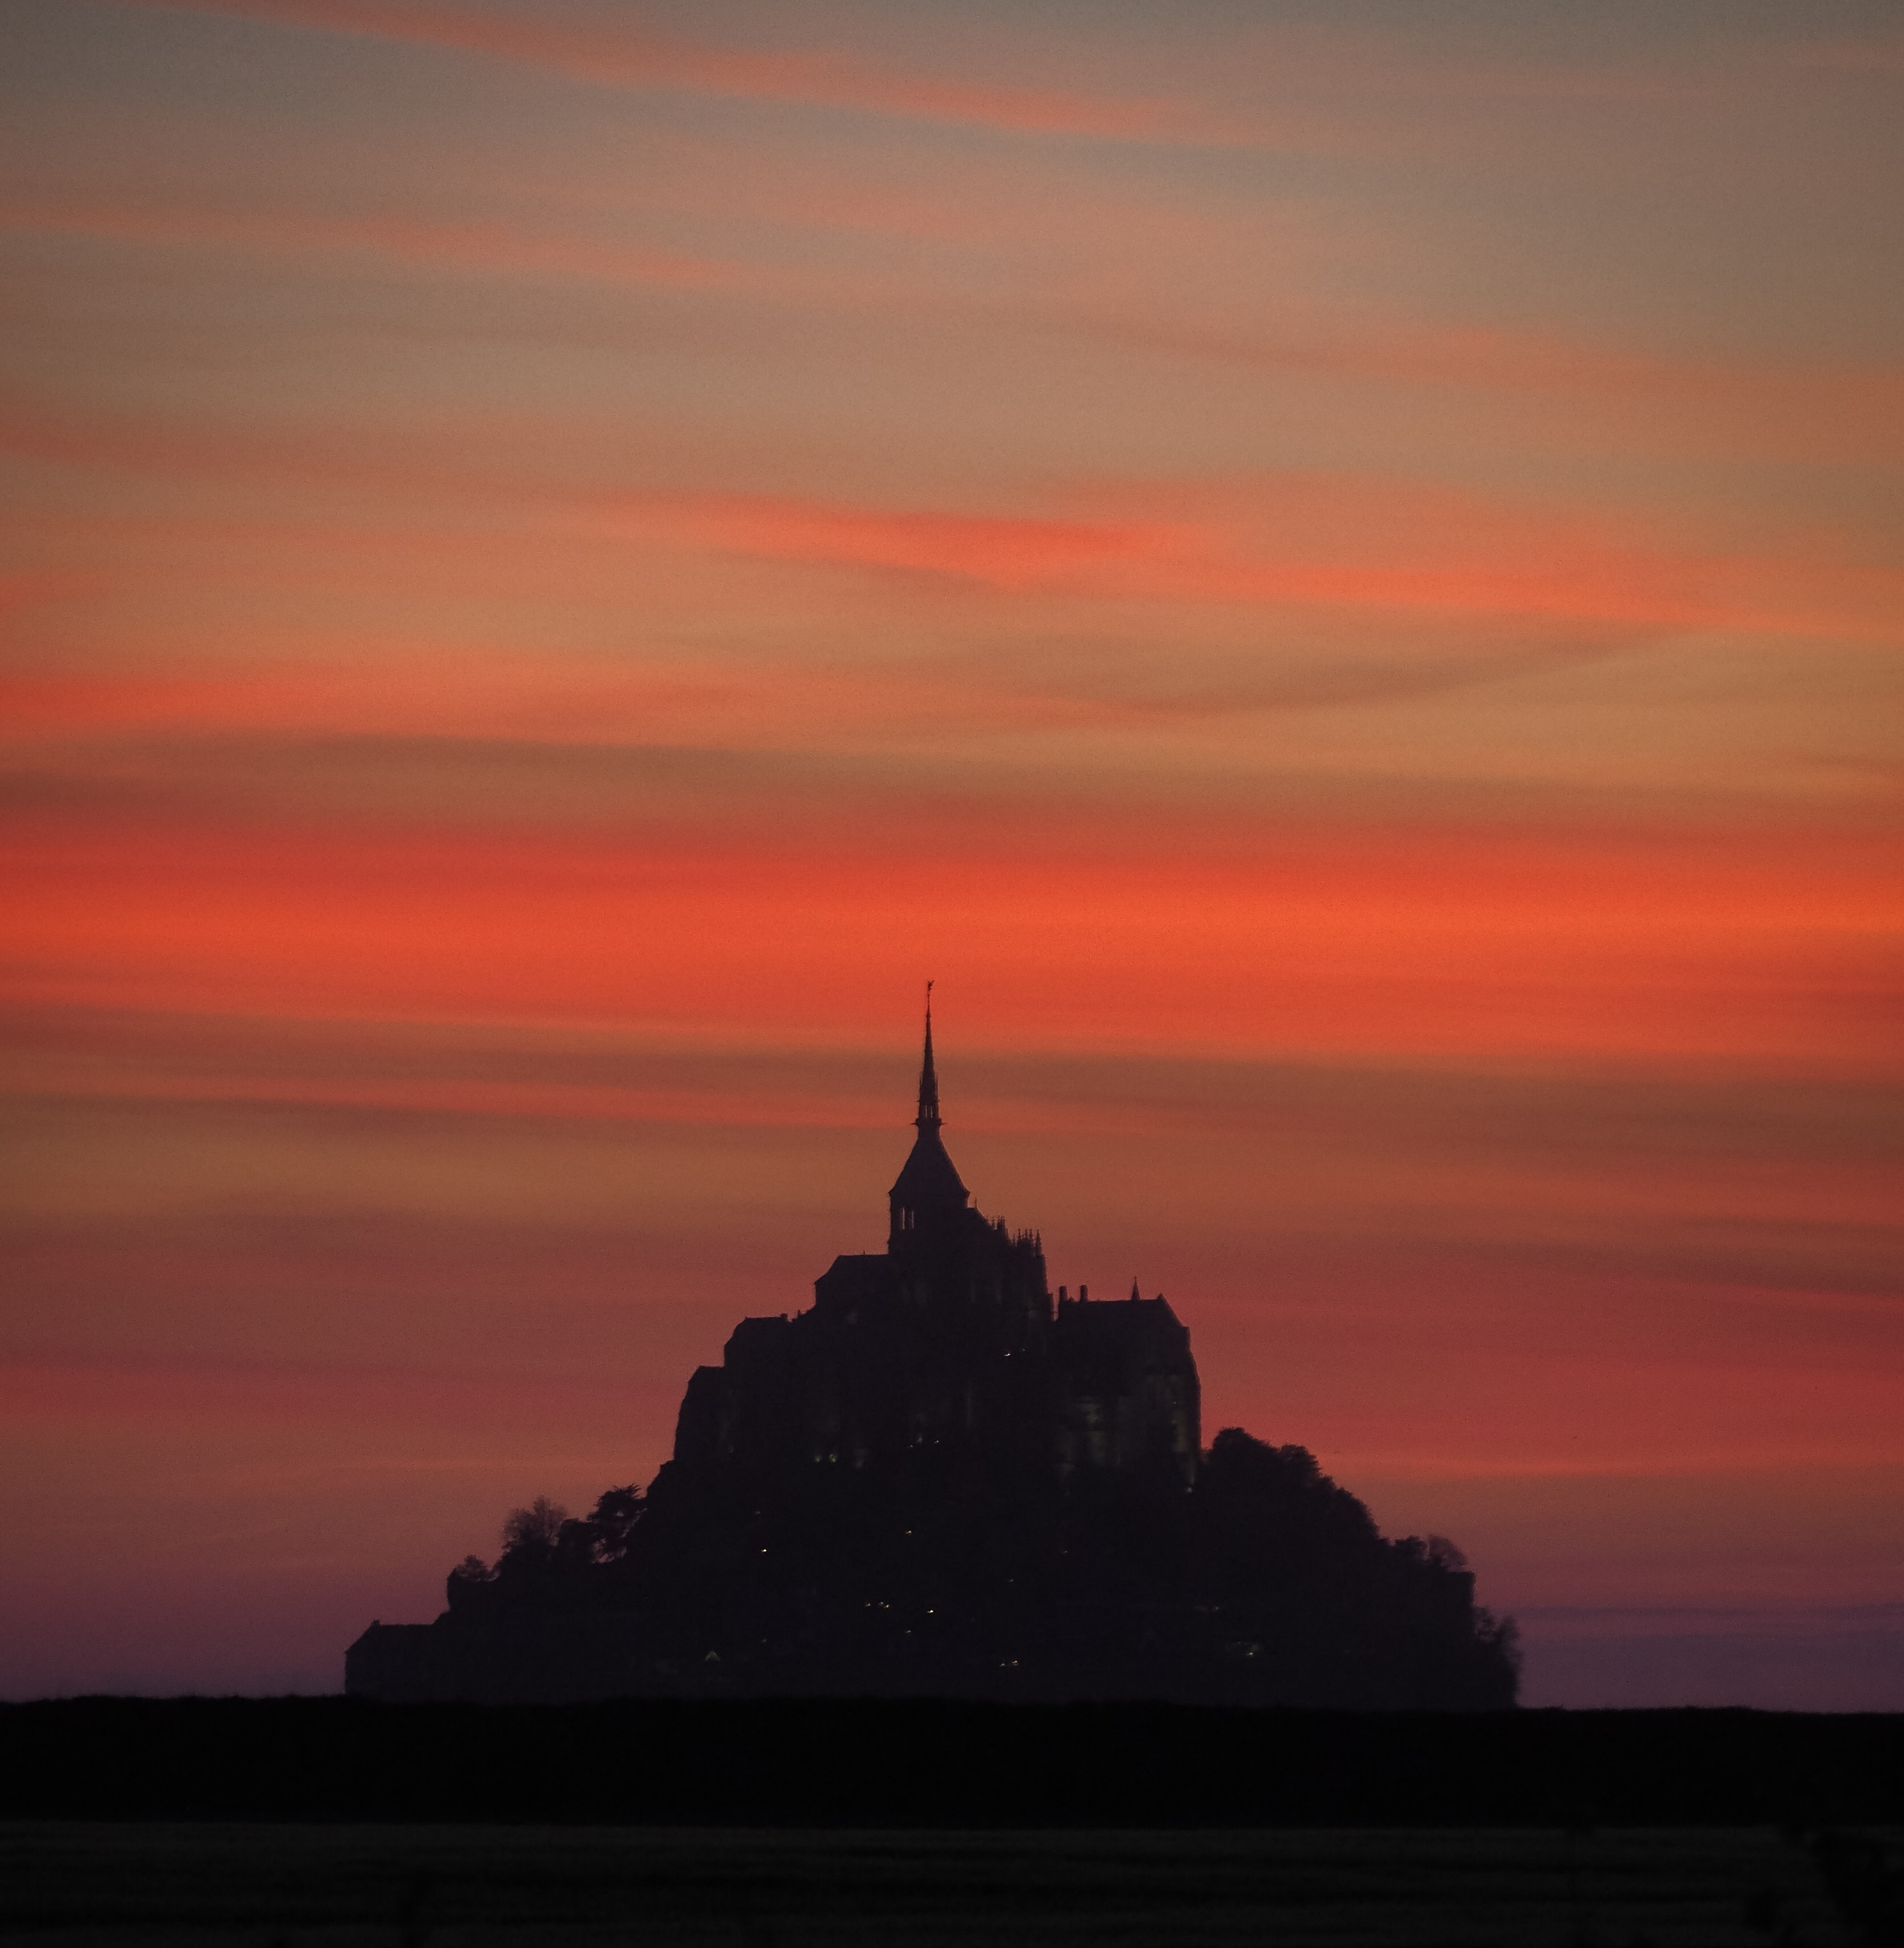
(76, 1885)
(865, 1763)
(317, 1822)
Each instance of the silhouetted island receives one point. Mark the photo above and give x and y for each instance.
(935, 1482)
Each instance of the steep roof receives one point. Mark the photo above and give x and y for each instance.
(928, 1177)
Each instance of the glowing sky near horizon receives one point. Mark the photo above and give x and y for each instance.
(1334, 572)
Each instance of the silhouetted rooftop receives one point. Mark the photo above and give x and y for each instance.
(929, 1178)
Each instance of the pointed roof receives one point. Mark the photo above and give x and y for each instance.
(928, 1177)
(929, 1080)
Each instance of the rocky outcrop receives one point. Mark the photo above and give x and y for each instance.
(937, 1481)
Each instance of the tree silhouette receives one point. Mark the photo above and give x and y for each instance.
(612, 1522)
(535, 1530)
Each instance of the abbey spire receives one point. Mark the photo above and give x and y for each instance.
(928, 1195)
(928, 1081)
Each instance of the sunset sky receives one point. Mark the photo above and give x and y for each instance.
(1334, 572)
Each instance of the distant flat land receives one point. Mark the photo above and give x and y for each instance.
(77, 1885)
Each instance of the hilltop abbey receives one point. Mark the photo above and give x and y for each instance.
(936, 1481)
(948, 1342)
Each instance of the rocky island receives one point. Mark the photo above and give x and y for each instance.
(939, 1480)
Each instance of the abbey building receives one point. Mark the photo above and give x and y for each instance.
(948, 1340)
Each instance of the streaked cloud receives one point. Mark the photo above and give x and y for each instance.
(492, 248)
(610, 51)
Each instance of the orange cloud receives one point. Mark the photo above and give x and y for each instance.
(1289, 540)
(1843, 411)
(488, 248)
(1332, 542)
(1130, 927)
(610, 54)
(400, 688)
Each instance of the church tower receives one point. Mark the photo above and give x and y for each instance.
(928, 1202)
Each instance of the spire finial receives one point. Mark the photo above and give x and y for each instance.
(929, 1080)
